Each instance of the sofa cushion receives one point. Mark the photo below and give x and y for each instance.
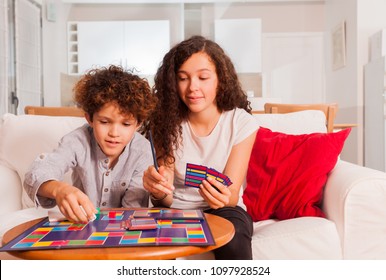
(310, 120)
(10, 220)
(10, 194)
(296, 239)
(24, 137)
(287, 173)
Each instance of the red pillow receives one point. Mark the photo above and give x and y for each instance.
(287, 173)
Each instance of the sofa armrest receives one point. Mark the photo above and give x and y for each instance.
(355, 199)
(10, 190)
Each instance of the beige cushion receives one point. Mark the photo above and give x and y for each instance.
(24, 137)
(10, 193)
(9, 221)
(308, 238)
(302, 122)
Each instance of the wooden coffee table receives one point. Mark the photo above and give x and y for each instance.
(222, 231)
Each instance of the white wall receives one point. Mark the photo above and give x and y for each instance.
(4, 57)
(342, 85)
(55, 52)
(280, 18)
(55, 34)
(371, 19)
(345, 86)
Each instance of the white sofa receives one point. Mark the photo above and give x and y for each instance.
(354, 197)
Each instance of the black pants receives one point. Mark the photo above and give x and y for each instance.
(239, 248)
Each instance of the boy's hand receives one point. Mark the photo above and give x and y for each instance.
(72, 202)
(216, 194)
(75, 205)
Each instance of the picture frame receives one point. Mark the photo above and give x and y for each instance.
(338, 39)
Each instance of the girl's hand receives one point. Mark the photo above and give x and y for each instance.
(215, 198)
(157, 182)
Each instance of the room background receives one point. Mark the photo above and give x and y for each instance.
(286, 27)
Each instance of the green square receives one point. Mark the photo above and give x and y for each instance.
(76, 242)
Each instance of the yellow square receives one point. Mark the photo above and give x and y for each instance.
(42, 244)
(100, 234)
(146, 240)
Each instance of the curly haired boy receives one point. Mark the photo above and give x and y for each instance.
(107, 155)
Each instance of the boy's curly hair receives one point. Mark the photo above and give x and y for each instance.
(131, 93)
(165, 122)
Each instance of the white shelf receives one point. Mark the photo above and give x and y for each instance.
(72, 49)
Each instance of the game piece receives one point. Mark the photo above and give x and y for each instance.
(112, 214)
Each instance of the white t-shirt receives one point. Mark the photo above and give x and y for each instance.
(212, 151)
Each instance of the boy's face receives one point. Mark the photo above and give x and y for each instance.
(112, 130)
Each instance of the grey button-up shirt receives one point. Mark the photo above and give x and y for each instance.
(120, 186)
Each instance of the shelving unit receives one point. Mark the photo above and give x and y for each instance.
(136, 45)
(72, 41)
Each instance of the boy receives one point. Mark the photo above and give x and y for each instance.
(107, 155)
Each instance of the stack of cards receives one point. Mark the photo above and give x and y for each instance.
(140, 224)
(196, 173)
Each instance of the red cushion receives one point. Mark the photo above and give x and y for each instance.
(287, 173)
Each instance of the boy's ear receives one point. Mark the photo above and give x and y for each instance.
(88, 118)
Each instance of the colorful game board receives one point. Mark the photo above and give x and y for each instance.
(196, 173)
(174, 227)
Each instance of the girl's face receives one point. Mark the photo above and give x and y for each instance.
(112, 130)
(197, 83)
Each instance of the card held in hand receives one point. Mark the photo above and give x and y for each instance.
(196, 173)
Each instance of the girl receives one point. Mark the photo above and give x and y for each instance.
(202, 117)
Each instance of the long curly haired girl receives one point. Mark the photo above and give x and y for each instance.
(165, 122)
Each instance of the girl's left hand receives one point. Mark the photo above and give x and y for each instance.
(215, 198)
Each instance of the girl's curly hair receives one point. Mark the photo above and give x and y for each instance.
(165, 122)
(129, 92)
